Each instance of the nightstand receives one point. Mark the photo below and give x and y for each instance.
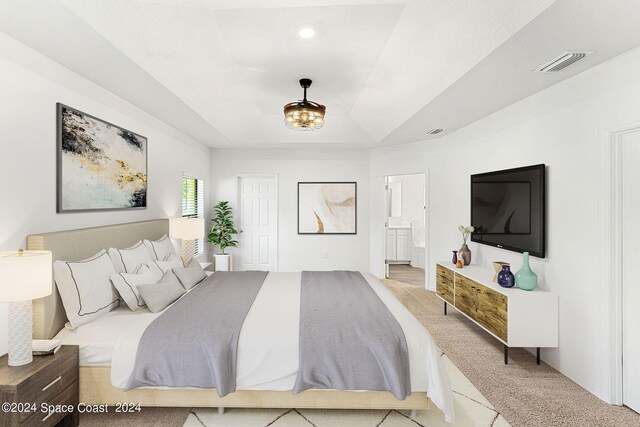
(50, 380)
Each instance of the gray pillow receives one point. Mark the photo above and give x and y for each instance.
(191, 275)
(159, 295)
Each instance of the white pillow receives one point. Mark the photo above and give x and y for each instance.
(165, 266)
(85, 288)
(151, 268)
(160, 249)
(128, 260)
(159, 268)
(127, 286)
(172, 257)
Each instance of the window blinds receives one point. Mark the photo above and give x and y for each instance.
(193, 204)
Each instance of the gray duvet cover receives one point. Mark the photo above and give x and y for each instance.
(194, 343)
(349, 340)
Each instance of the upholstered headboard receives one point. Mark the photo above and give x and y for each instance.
(48, 313)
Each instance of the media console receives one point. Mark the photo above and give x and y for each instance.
(515, 317)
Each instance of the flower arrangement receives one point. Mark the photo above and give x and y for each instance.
(466, 232)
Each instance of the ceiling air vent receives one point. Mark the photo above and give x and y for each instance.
(562, 62)
(434, 131)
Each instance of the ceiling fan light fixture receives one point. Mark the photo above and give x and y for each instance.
(304, 114)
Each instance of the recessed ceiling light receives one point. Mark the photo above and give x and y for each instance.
(306, 32)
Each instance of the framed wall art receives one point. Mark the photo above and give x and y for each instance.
(327, 208)
(101, 166)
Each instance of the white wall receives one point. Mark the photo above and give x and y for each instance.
(30, 86)
(301, 252)
(559, 127)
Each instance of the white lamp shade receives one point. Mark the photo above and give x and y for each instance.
(187, 228)
(25, 275)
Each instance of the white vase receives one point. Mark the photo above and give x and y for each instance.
(221, 262)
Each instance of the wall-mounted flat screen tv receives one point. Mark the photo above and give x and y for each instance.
(508, 209)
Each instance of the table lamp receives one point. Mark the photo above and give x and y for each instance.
(24, 276)
(187, 229)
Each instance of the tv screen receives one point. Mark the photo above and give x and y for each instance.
(508, 209)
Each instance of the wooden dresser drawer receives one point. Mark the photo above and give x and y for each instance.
(444, 283)
(466, 296)
(492, 309)
(52, 380)
(47, 383)
(70, 394)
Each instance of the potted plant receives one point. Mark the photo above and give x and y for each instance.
(221, 235)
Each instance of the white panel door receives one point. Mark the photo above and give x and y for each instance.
(258, 220)
(630, 280)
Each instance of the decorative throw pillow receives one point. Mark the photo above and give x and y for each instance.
(160, 249)
(172, 257)
(128, 260)
(159, 296)
(151, 268)
(85, 288)
(159, 268)
(165, 266)
(127, 285)
(191, 275)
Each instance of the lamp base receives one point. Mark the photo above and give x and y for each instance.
(20, 333)
(188, 249)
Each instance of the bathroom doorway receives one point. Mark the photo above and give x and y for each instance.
(404, 228)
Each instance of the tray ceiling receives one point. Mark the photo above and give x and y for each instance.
(388, 71)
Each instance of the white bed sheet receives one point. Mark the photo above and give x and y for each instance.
(268, 342)
(96, 339)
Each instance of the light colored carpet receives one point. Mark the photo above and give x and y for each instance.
(524, 393)
(147, 417)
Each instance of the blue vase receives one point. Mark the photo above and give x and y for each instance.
(506, 278)
(525, 278)
(455, 257)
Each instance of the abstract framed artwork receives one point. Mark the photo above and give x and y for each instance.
(327, 208)
(100, 166)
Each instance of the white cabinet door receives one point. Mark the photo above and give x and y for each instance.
(630, 283)
(258, 219)
(391, 245)
(402, 247)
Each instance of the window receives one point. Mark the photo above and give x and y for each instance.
(193, 204)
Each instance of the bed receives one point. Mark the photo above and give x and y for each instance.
(108, 344)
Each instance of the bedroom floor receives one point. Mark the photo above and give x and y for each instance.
(406, 274)
(472, 409)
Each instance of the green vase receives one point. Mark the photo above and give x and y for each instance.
(525, 278)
